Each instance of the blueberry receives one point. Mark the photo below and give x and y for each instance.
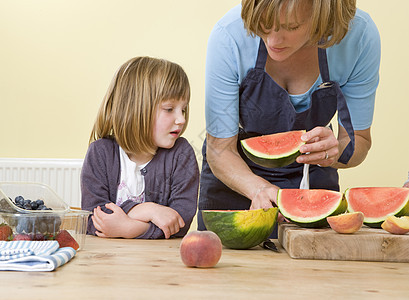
(33, 205)
(19, 199)
(51, 227)
(27, 206)
(39, 202)
(24, 225)
(43, 227)
(19, 227)
(42, 207)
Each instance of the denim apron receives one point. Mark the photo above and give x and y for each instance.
(266, 108)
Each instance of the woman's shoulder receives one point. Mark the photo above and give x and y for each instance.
(230, 29)
(230, 50)
(362, 32)
(360, 48)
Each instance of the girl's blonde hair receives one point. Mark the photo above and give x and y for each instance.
(330, 18)
(128, 110)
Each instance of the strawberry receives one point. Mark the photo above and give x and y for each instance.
(22, 237)
(5, 232)
(65, 239)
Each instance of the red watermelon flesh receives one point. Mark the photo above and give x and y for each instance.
(310, 207)
(275, 144)
(376, 203)
(274, 150)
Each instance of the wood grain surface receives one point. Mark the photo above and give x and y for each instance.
(367, 244)
(152, 269)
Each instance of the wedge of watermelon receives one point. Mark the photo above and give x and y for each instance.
(376, 203)
(241, 229)
(274, 150)
(310, 208)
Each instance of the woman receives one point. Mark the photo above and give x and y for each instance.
(281, 65)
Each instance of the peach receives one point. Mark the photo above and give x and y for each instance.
(347, 222)
(201, 249)
(396, 225)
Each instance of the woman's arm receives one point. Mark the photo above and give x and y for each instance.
(228, 166)
(363, 143)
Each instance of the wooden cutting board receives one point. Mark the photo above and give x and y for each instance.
(367, 244)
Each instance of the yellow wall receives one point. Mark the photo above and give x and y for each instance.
(57, 58)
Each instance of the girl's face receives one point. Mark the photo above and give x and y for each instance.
(289, 38)
(169, 122)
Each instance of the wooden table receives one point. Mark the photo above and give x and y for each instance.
(152, 269)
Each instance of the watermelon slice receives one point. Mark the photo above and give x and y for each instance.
(241, 229)
(310, 208)
(376, 203)
(274, 150)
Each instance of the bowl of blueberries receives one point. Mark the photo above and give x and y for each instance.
(32, 210)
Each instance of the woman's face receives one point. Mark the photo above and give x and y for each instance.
(169, 122)
(289, 38)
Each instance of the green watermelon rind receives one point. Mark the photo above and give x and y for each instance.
(319, 221)
(223, 223)
(403, 210)
(271, 161)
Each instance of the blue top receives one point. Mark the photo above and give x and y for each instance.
(231, 53)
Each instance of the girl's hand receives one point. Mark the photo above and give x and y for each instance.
(321, 147)
(167, 219)
(110, 225)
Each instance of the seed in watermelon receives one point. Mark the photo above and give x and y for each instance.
(347, 222)
(310, 208)
(396, 225)
(241, 229)
(376, 203)
(274, 150)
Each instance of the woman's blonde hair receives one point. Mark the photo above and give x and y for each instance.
(128, 110)
(329, 18)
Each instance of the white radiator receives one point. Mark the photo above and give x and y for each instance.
(62, 175)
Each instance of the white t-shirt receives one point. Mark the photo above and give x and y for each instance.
(132, 183)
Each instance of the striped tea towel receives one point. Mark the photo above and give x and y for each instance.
(33, 255)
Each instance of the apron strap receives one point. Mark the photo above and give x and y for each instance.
(261, 56)
(323, 64)
(345, 118)
(343, 112)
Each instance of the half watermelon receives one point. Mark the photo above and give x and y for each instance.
(310, 208)
(274, 150)
(376, 203)
(241, 229)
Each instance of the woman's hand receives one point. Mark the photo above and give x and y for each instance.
(116, 224)
(264, 197)
(321, 147)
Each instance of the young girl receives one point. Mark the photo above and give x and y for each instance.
(140, 178)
